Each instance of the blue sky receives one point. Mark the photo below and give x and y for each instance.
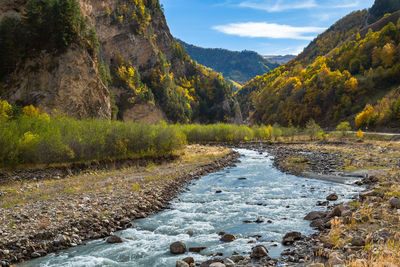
(270, 27)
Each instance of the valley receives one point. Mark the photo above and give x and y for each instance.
(123, 144)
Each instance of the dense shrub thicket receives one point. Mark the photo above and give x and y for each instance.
(34, 137)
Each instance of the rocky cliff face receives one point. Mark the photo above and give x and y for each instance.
(132, 32)
(67, 83)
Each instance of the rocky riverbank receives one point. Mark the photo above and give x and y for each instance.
(38, 217)
(365, 232)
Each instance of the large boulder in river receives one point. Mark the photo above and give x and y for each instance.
(177, 248)
(259, 252)
(395, 203)
(332, 197)
(114, 239)
(290, 237)
(228, 238)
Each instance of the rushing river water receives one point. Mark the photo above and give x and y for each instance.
(266, 193)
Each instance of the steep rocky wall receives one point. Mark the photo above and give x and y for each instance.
(67, 83)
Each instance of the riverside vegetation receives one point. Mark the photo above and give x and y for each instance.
(29, 136)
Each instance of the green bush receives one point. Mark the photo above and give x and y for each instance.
(42, 140)
(343, 127)
(313, 130)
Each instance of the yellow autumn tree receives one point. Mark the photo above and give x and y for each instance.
(365, 116)
(360, 134)
(34, 112)
(5, 109)
(388, 54)
(351, 85)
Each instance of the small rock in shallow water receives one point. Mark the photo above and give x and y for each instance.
(181, 264)
(197, 249)
(332, 197)
(188, 260)
(114, 239)
(290, 237)
(259, 252)
(228, 238)
(177, 248)
(314, 215)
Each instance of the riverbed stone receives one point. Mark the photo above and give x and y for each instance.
(358, 241)
(196, 249)
(228, 238)
(290, 238)
(259, 252)
(177, 248)
(395, 203)
(315, 215)
(217, 264)
(229, 263)
(318, 224)
(336, 211)
(188, 260)
(316, 265)
(209, 262)
(332, 197)
(181, 264)
(114, 239)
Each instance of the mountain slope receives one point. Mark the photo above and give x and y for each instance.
(347, 70)
(128, 60)
(240, 67)
(279, 59)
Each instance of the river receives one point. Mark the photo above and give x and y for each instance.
(252, 189)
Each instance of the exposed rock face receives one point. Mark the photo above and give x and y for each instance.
(11, 7)
(67, 83)
(146, 113)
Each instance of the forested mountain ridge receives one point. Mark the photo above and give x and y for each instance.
(108, 58)
(240, 67)
(350, 72)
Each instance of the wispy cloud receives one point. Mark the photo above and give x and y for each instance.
(269, 30)
(347, 4)
(278, 5)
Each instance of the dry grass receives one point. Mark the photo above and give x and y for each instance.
(103, 182)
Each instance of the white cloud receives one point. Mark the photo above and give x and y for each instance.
(269, 30)
(278, 5)
(347, 4)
